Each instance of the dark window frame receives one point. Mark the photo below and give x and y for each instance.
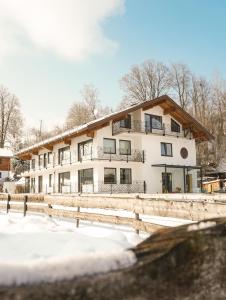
(61, 152)
(130, 182)
(50, 180)
(114, 147)
(177, 127)
(82, 144)
(129, 147)
(49, 154)
(150, 126)
(163, 143)
(41, 159)
(126, 123)
(33, 164)
(115, 169)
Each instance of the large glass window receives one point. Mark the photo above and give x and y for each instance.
(63, 155)
(33, 164)
(175, 127)
(166, 149)
(110, 175)
(125, 147)
(126, 123)
(86, 176)
(85, 149)
(50, 157)
(64, 180)
(153, 122)
(32, 185)
(125, 176)
(40, 186)
(50, 180)
(40, 160)
(45, 160)
(109, 146)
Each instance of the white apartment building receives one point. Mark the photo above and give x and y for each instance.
(149, 147)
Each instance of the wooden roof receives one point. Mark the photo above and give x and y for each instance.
(165, 102)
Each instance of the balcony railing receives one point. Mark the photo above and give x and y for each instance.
(137, 186)
(137, 126)
(97, 153)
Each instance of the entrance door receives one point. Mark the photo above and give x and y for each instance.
(167, 182)
(188, 183)
(40, 184)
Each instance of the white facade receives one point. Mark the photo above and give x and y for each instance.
(146, 152)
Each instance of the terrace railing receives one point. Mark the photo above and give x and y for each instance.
(137, 126)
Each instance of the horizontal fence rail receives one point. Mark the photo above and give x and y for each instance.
(190, 207)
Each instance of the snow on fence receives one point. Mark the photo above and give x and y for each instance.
(108, 208)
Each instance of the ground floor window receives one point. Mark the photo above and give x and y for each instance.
(50, 180)
(64, 180)
(85, 177)
(40, 184)
(125, 176)
(167, 182)
(32, 185)
(110, 175)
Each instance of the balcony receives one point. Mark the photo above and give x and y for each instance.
(137, 126)
(92, 154)
(98, 153)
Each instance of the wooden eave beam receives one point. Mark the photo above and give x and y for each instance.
(91, 134)
(67, 141)
(169, 110)
(49, 147)
(34, 152)
(120, 118)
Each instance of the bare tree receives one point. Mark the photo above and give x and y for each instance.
(10, 117)
(145, 82)
(88, 109)
(180, 83)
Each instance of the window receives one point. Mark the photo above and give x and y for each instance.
(40, 184)
(50, 180)
(126, 123)
(85, 149)
(125, 147)
(125, 176)
(40, 160)
(50, 157)
(109, 146)
(175, 127)
(0, 174)
(32, 185)
(86, 176)
(110, 175)
(63, 154)
(153, 122)
(166, 149)
(33, 164)
(45, 160)
(64, 180)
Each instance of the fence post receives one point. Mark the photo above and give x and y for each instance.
(77, 219)
(25, 205)
(7, 204)
(50, 207)
(137, 219)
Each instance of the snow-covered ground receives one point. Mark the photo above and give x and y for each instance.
(40, 248)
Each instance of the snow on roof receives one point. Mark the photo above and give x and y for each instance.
(4, 152)
(69, 132)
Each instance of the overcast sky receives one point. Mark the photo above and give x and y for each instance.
(50, 48)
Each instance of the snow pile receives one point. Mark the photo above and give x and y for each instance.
(36, 249)
(201, 225)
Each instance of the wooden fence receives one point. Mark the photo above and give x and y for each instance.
(75, 207)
